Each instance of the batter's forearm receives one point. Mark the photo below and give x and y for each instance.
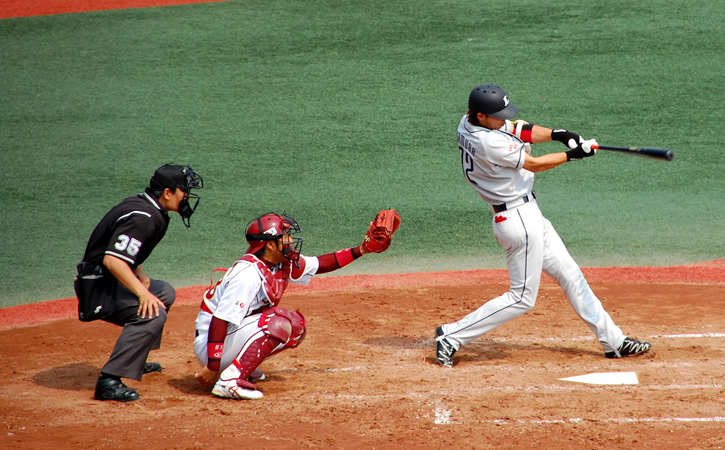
(544, 162)
(540, 134)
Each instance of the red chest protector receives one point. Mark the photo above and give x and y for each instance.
(274, 283)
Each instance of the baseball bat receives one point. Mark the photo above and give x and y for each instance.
(663, 154)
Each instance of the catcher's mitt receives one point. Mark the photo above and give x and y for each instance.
(380, 233)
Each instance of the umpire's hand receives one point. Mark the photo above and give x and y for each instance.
(148, 305)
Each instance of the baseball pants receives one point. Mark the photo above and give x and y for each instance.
(139, 336)
(532, 245)
(238, 339)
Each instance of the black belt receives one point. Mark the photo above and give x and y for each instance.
(502, 207)
(85, 268)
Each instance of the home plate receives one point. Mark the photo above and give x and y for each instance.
(605, 378)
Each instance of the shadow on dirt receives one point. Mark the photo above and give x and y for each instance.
(189, 385)
(71, 377)
(480, 350)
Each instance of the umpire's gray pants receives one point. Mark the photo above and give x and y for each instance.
(139, 335)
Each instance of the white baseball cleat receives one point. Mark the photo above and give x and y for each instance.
(230, 389)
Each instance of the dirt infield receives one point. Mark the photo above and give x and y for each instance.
(365, 377)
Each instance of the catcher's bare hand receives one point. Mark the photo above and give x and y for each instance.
(380, 233)
(206, 377)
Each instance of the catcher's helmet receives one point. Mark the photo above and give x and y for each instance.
(491, 100)
(271, 226)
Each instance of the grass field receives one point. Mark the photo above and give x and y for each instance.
(333, 110)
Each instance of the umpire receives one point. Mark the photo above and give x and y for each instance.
(111, 284)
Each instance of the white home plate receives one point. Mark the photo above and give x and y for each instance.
(605, 378)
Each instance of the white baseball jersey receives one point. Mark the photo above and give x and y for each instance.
(493, 162)
(237, 299)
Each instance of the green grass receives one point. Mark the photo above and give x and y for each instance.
(333, 110)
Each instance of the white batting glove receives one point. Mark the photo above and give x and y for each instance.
(587, 146)
(581, 151)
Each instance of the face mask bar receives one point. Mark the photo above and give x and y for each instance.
(292, 249)
(193, 179)
(188, 205)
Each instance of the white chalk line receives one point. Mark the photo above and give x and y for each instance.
(587, 338)
(702, 335)
(614, 420)
(467, 392)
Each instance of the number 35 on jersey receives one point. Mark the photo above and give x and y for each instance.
(129, 245)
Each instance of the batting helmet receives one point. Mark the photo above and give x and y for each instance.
(491, 100)
(270, 227)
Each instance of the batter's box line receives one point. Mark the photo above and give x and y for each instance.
(587, 338)
(702, 335)
(616, 420)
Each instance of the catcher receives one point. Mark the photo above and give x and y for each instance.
(240, 324)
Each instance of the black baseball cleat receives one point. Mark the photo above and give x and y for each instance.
(629, 347)
(444, 349)
(114, 389)
(151, 367)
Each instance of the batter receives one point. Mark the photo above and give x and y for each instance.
(497, 163)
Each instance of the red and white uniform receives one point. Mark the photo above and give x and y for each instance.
(239, 299)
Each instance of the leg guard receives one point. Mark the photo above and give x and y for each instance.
(260, 347)
(299, 329)
(285, 325)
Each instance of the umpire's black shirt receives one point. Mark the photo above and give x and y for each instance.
(129, 231)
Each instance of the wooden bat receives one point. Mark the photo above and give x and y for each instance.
(663, 154)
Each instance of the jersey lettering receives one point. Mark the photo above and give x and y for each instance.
(464, 143)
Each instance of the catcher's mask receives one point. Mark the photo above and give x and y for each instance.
(174, 177)
(270, 227)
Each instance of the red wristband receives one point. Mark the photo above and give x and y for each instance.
(526, 131)
(344, 257)
(214, 351)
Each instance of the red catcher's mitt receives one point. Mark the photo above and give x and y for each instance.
(380, 233)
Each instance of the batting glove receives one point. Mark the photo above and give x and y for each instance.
(583, 150)
(568, 138)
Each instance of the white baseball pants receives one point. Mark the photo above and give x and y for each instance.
(532, 245)
(238, 339)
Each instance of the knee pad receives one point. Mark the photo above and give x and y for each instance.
(299, 329)
(274, 322)
(287, 326)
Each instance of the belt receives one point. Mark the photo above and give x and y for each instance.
(85, 268)
(514, 204)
